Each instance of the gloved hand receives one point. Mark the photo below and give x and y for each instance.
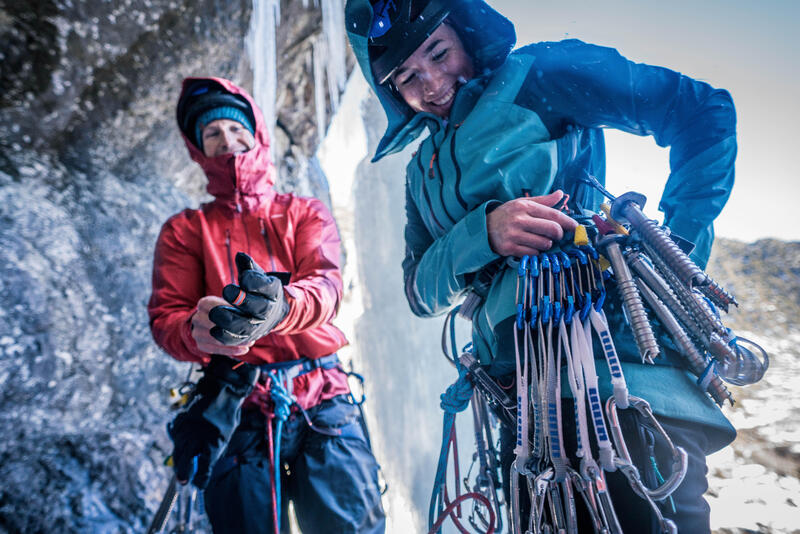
(258, 304)
(201, 431)
(201, 330)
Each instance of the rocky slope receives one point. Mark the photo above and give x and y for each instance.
(754, 484)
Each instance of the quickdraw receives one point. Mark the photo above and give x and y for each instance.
(560, 298)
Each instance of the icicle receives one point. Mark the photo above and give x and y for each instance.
(333, 31)
(320, 59)
(261, 44)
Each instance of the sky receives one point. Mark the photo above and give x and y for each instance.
(750, 48)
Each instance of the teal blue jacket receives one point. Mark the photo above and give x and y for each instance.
(529, 123)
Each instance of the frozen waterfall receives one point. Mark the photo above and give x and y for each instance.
(328, 58)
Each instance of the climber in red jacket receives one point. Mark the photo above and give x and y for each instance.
(273, 391)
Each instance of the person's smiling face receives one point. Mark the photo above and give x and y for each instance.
(225, 136)
(429, 79)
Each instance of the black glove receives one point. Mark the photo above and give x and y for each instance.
(258, 304)
(201, 431)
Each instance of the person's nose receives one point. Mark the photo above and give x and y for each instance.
(430, 84)
(228, 138)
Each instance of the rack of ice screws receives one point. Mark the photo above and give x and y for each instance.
(560, 309)
(560, 312)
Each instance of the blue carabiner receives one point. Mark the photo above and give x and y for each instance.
(600, 300)
(589, 249)
(556, 312)
(523, 266)
(546, 308)
(565, 263)
(587, 305)
(545, 262)
(554, 262)
(570, 309)
(582, 259)
(534, 266)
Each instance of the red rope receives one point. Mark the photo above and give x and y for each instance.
(453, 509)
(448, 511)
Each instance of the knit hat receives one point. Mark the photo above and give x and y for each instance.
(201, 99)
(222, 112)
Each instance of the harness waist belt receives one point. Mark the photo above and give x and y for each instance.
(294, 368)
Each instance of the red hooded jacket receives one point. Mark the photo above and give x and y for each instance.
(194, 257)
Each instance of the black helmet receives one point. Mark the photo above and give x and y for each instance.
(204, 95)
(398, 28)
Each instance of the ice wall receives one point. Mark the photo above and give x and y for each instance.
(397, 352)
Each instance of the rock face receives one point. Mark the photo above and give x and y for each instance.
(91, 164)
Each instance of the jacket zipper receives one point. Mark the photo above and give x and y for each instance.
(431, 174)
(458, 169)
(230, 257)
(269, 246)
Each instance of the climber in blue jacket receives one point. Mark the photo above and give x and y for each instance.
(509, 135)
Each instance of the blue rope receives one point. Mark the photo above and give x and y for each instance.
(454, 400)
(283, 403)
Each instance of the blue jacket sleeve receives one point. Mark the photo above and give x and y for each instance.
(436, 271)
(597, 87)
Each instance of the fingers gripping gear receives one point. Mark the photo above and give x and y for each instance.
(258, 304)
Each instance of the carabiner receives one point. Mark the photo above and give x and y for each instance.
(679, 456)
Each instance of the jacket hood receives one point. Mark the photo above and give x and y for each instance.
(239, 181)
(488, 38)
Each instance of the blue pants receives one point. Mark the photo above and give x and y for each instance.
(691, 512)
(332, 481)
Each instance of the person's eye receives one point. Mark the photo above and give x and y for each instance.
(210, 133)
(440, 55)
(407, 80)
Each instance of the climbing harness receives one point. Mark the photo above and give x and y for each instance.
(277, 379)
(560, 319)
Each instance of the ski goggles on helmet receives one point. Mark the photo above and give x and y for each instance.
(398, 28)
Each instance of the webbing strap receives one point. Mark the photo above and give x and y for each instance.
(578, 388)
(596, 407)
(600, 325)
(521, 327)
(553, 382)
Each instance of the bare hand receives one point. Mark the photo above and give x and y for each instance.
(527, 226)
(201, 327)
